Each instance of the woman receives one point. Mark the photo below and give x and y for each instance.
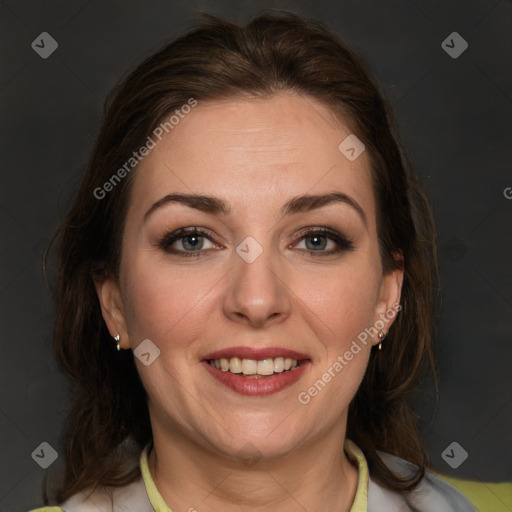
(247, 282)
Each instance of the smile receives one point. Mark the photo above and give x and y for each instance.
(256, 371)
(253, 368)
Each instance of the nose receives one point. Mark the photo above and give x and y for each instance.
(257, 294)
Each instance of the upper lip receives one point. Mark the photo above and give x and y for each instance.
(255, 353)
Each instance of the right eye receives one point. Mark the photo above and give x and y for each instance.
(191, 240)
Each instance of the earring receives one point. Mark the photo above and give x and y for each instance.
(381, 338)
(117, 338)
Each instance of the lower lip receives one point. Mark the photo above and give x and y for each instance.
(257, 387)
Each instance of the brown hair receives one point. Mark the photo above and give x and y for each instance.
(220, 60)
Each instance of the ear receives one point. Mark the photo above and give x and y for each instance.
(112, 309)
(388, 304)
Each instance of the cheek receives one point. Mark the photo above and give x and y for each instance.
(339, 308)
(161, 300)
(341, 299)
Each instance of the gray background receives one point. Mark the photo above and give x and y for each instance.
(455, 120)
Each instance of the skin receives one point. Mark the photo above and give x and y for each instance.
(255, 154)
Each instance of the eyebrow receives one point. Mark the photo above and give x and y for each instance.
(298, 204)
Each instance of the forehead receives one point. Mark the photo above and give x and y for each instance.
(254, 152)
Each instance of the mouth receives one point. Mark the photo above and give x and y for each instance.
(256, 372)
(255, 369)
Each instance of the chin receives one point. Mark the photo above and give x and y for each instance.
(255, 439)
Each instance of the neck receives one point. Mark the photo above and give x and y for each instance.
(316, 476)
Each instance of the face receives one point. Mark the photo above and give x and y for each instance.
(262, 279)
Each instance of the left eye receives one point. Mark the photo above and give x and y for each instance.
(324, 242)
(318, 242)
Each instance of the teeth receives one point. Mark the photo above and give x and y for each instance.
(265, 367)
(235, 365)
(252, 367)
(279, 364)
(249, 366)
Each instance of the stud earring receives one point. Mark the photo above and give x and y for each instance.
(117, 338)
(381, 338)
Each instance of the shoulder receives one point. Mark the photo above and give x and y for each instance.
(46, 509)
(129, 497)
(495, 496)
(433, 494)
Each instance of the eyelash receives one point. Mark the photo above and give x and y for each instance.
(164, 243)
